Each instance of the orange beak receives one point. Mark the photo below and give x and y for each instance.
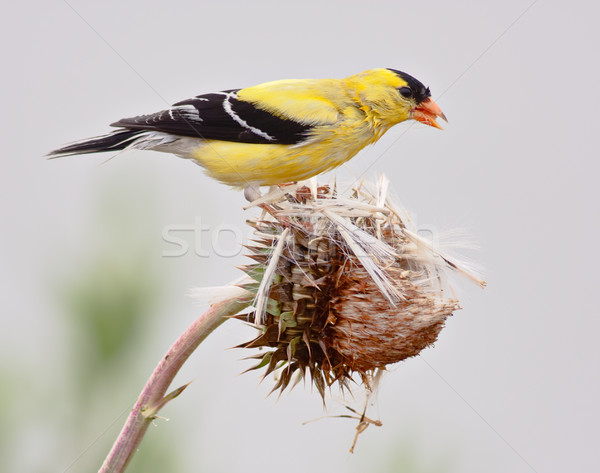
(427, 112)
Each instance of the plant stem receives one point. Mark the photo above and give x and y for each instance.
(152, 397)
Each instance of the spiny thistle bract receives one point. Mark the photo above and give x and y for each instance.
(342, 285)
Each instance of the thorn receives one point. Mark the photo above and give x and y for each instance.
(149, 412)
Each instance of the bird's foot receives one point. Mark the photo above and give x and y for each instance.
(252, 193)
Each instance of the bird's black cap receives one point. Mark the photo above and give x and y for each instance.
(420, 92)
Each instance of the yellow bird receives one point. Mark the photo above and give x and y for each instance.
(276, 132)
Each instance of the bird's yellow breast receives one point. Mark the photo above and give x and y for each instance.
(241, 164)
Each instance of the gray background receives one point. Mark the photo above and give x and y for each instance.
(512, 384)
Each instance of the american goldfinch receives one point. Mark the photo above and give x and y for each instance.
(276, 132)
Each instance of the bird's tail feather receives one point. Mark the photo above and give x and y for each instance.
(115, 141)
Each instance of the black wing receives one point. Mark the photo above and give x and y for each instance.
(220, 116)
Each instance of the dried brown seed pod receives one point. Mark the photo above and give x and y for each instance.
(342, 285)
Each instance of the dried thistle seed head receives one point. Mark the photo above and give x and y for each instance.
(342, 285)
(371, 333)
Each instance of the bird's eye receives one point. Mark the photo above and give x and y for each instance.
(405, 92)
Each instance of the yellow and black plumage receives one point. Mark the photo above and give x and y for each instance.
(275, 132)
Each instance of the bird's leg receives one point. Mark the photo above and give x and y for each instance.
(252, 192)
